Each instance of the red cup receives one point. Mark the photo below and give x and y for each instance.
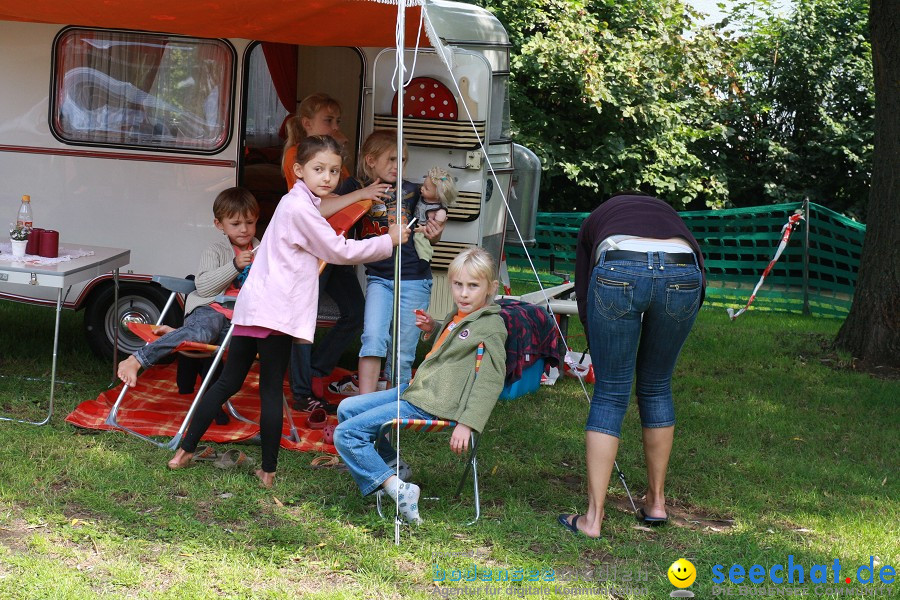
(34, 241)
(49, 244)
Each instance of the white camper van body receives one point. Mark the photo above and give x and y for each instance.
(157, 201)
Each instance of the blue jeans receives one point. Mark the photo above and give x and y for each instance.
(639, 316)
(204, 324)
(359, 419)
(378, 324)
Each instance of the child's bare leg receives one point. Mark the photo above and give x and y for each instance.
(369, 369)
(266, 480)
(181, 459)
(128, 371)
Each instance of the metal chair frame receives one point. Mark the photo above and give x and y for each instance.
(185, 287)
(393, 426)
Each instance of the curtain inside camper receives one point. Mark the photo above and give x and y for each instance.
(120, 88)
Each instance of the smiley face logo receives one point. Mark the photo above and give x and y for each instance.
(682, 573)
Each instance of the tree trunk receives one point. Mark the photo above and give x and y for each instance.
(871, 331)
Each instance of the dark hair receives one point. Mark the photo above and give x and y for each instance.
(235, 201)
(631, 193)
(313, 144)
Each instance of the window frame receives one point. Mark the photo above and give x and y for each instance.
(54, 108)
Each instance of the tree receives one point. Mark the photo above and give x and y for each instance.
(871, 331)
(800, 109)
(613, 95)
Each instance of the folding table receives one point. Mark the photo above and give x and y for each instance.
(62, 276)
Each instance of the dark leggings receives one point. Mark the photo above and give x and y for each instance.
(274, 352)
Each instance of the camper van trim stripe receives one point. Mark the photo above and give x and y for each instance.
(181, 160)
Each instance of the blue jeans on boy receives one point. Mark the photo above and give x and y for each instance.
(359, 419)
(204, 324)
(639, 315)
(378, 324)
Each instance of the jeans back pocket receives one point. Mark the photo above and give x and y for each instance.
(612, 298)
(682, 299)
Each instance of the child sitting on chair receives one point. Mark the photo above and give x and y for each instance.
(437, 195)
(453, 382)
(223, 268)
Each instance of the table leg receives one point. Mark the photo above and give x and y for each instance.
(115, 325)
(59, 296)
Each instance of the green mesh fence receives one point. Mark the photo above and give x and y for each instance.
(737, 245)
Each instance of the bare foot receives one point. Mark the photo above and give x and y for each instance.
(128, 371)
(266, 480)
(181, 459)
(162, 330)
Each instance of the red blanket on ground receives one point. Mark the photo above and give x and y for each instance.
(155, 408)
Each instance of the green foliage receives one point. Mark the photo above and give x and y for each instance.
(637, 95)
(614, 96)
(800, 108)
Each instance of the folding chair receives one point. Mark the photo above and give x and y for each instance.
(144, 331)
(393, 426)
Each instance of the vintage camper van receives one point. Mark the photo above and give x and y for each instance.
(123, 120)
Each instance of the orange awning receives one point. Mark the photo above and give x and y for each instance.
(306, 22)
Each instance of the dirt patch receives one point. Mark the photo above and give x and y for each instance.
(15, 534)
(682, 515)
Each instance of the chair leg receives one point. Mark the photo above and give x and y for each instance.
(111, 418)
(176, 439)
(472, 464)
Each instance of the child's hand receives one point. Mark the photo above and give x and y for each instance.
(424, 321)
(243, 258)
(376, 190)
(433, 230)
(459, 440)
(399, 233)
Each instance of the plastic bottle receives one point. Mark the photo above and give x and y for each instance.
(24, 218)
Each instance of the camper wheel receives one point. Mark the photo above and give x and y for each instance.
(141, 302)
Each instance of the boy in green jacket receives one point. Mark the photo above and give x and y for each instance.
(445, 385)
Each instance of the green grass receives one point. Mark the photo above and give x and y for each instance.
(776, 453)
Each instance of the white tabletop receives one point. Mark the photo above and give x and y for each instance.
(66, 273)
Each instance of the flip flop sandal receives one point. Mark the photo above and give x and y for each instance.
(231, 459)
(205, 454)
(649, 521)
(317, 419)
(328, 462)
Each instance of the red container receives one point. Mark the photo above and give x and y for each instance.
(34, 241)
(49, 244)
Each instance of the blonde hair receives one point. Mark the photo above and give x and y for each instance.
(308, 108)
(443, 185)
(378, 142)
(477, 263)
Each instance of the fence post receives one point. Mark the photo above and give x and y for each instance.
(806, 257)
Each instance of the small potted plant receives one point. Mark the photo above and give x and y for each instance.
(18, 237)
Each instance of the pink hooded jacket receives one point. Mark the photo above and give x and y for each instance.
(282, 289)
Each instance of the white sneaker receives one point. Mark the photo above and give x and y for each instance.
(349, 386)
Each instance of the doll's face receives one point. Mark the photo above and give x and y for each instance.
(429, 191)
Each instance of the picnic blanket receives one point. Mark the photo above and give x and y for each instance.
(155, 408)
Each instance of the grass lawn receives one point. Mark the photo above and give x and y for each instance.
(777, 453)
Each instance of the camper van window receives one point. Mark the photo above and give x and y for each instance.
(135, 89)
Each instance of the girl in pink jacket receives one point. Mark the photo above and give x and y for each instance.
(279, 300)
